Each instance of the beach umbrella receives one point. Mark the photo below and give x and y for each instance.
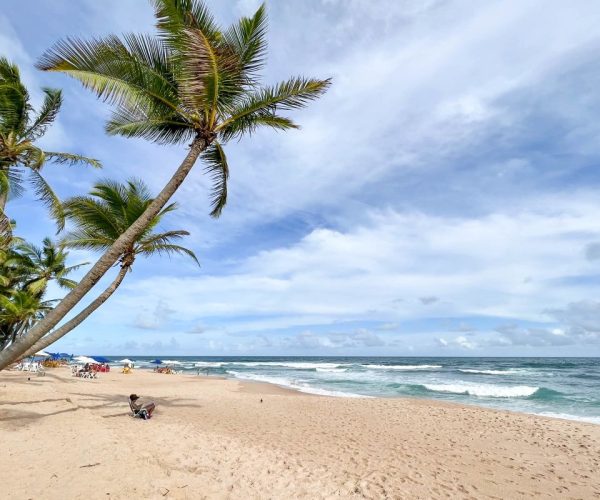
(41, 354)
(60, 355)
(84, 359)
(156, 362)
(101, 359)
(126, 360)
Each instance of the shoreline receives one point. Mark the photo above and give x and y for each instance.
(225, 438)
(340, 394)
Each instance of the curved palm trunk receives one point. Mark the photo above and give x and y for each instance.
(77, 320)
(16, 350)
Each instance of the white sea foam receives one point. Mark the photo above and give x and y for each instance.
(208, 364)
(492, 372)
(298, 385)
(567, 416)
(484, 390)
(331, 370)
(171, 362)
(288, 364)
(403, 367)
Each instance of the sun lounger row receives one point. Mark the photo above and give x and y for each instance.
(33, 366)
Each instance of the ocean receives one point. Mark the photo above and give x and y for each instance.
(557, 387)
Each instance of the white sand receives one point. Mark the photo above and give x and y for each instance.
(68, 438)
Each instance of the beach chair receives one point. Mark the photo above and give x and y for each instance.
(138, 412)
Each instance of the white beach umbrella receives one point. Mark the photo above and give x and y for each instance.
(126, 360)
(84, 359)
(42, 354)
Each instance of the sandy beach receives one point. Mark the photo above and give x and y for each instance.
(64, 437)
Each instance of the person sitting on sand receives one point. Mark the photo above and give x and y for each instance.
(144, 410)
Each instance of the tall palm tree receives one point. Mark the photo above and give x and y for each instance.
(19, 131)
(45, 264)
(25, 271)
(195, 83)
(99, 220)
(18, 310)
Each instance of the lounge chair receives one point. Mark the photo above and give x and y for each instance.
(140, 411)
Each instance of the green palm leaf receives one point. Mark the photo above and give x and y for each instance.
(218, 169)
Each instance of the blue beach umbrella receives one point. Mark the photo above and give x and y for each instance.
(101, 359)
(156, 362)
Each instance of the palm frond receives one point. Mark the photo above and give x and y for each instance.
(67, 283)
(292, 94)
(248, 39)
(107, 67)
(71, 159)
(174, 15)
(169, 249)
(94, 215)
(218, 169)
(165, 237)
(83, 240)
(14, 99)
(45, 194)
(247, 124)
(139, 123)
(48, 112)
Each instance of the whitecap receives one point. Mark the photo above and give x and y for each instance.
(403, 367)
(297, 385)
(490, 372)
(288, 364)
(484, 390)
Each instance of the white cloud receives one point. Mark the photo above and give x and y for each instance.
(479, 266)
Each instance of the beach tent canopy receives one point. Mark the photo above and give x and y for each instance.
(84, 359)
(101, 359)
(156, 362)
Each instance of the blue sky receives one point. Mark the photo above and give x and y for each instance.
(441, 199)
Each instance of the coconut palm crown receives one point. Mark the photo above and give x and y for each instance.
(111, 207)
(20, 129)
(99, 220)
(195, 81)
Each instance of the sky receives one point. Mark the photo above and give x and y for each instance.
(442, 199)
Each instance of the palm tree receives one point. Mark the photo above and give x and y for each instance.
(18, 310)
(45, 264)
(25, 271)
(99, 221)
(19, 131)
(194, 83)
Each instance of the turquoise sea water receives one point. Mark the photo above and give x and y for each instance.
(559, 387)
